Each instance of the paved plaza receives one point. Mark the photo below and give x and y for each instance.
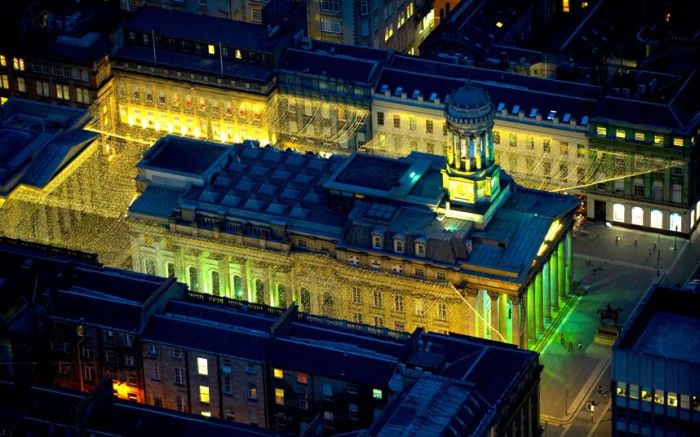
(611, 265)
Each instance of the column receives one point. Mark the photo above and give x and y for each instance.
(272, 289)
(515, 322)
(539, 319)
(494, 316)
(246, 279)
(569, 265)
(503, 315)
(546, 299)
(225, 287)
(554, 280)
(470, 156)
(562, 270)
(470, 295)
(203, 276)
(530, 312)
(484, 151)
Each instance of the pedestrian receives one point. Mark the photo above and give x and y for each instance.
(571, 347)
(600, 390)
(580, 345)
(561, 339)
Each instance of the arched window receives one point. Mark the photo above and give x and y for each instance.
(215, 285)
(657, 218)
(281, 296)
(237, 287)
(619, 212)
(637, 216)
(328, 305)
(149, 266)
(259, 291)
(194, 278)
(305, 300)
(170, 268)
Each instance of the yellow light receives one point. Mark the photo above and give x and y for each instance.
(157, 125)
(238, 54)
(212, 50)
(131, 121)
(144, 123)
(170, 128)
(223, 137)
(183, 130)
(196, 132)
(279, 373)
(553, 231)
(499, 24)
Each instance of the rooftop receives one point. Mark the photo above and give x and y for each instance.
(665, 324)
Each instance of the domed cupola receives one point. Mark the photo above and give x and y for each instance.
(471, 175)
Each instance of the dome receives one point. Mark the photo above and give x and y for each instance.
(469, 105)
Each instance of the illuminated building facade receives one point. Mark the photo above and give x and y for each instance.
(422, 248)
(116, 332)
(654, 387)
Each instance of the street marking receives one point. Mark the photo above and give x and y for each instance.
(621, 263)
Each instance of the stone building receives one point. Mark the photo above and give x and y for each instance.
(449, 245)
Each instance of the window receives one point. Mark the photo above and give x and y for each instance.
(496, 137)
(442, 311)
(512, 140)
(377, 242)
(412, 124)
(193, 278)
(204, 394)
(580, 150)
(153, 349)
(377, 393)
(399, 326)
(3, 61)
(380, 118)
(202, 366)
(398, 245)
(659, 140)
(678, 142)
(21, 85)
(206, 413)
(177, 354)
(250, 367)
(620, 133)
(656, 219)
(63, 92)
(89, 372)
(672, 399)
(227, 384)
(256, 18)
(619, 212)
(601, 131)
(377, 298)
(619, 186)
(180, 404)
(675, 222)
(328, 418)
(398, 303)
(4, 82)
(637, 216)
(420, 249)
(327, 391)
(428, 126)
(155, 371)
(638, 187)
(621, 389)
(42, 88)
(252, 393)
(546, 145)
(87, 353)
(657, 190)
(82, 95)
(129, 360)
(564, 148)
(420, 273)
(278, 373)
(211, 49)
(330, 25)
(639, 136)
(397, 121)
(64, 368)
(302, 378)
(378, 322)
(420, 307)
(109, 356)
(357, 318)
(356, 295)
(18, 64)
(149, 266)
(676, 193)
(305, 300)
(279, 396)
(364, 28)
(530, 143)
(440, 276)
(179, 376)
(352, 411)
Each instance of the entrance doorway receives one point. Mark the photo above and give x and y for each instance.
(599, 210)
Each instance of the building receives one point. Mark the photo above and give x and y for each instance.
(121, 333)
(42, 410)
(654, 387)
(57, 53)
(446, 244)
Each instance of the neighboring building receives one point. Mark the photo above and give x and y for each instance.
(40, 146)
(41, 410)
(421, 241)
(655, 388)
(244, 362)
(58, 53)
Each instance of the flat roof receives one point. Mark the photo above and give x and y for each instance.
(373, 172)
(671, 335)
(185, 155)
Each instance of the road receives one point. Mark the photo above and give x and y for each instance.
(615, 266)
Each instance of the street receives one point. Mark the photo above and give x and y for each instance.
(611, 266)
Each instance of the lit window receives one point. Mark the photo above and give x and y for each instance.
(279, 373)
(601, 131)
(637, 216)
(3, 61)
(302, 378)
(672, 399)
(658, 139)
(675, 222)
(327, 391)
(619, 212)
(279, 396)
(499, 24)
(212, 49)
(620, 133)
(18, 64)
(252, 391)
(639, 136)
(398, 245)
(204, 394)
(621, 389)
(565, 6)
(678, 142)
(202, 366)
(206, 413)
(377, 393)
(21, 85)
(656, 219)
